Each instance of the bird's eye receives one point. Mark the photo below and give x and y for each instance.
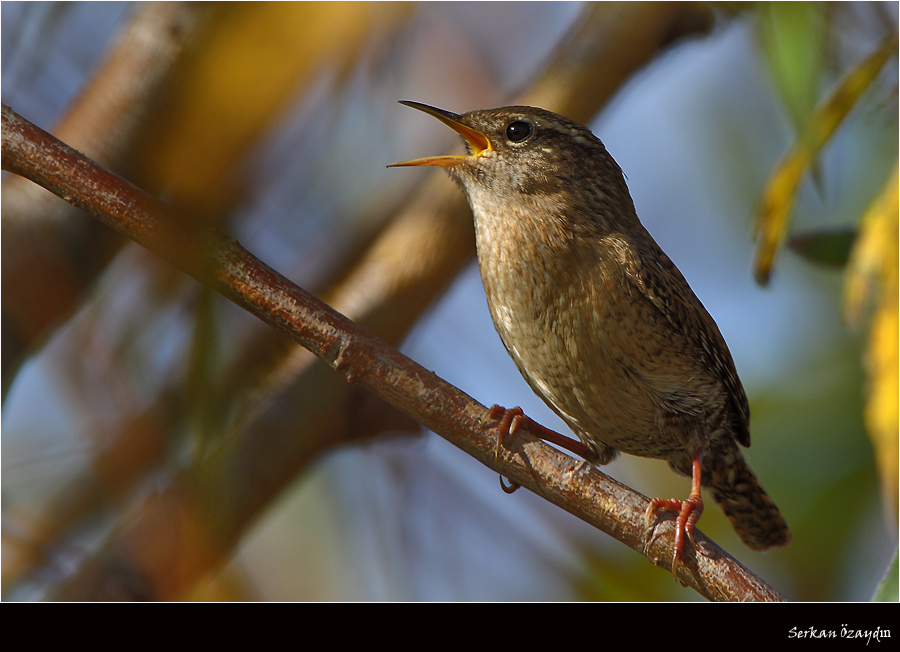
(519, 130)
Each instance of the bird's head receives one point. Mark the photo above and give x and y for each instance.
(521, 149)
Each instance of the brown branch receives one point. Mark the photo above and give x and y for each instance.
(221, 263)
(605, 47)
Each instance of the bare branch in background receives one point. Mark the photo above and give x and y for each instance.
(49, 250)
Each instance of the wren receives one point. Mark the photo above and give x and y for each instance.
(597, 318)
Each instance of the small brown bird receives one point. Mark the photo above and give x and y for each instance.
(599, 321)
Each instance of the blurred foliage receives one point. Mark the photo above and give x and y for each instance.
(872, 279)
(797, 38)
(831, 248)
(778, 198)
(794, 38)
(255, 58)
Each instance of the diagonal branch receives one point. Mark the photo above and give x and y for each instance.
(219, 262)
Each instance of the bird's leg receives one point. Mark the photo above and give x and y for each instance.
(513, 418)
(510, 421)
(688, 512)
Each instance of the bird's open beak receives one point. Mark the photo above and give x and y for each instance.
(477, 140)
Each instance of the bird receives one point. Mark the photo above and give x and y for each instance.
(598, 319)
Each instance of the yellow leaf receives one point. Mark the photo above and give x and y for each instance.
(773, 216)
(253, 60)
(872, 276)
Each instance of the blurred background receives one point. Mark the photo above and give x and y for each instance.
(160, 443)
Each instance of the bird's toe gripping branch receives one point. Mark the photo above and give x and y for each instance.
(688, 511)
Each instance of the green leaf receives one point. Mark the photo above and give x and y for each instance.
(794, 38)
(831, 248)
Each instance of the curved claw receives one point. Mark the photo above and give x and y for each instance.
(688, 511)
(508, 425)
(510, 488)
(513, 418)
(509, 422)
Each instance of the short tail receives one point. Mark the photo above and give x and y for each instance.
(751, 511)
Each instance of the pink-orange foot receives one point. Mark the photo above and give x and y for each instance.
(513, 418)
(509, 421)
(688, 512)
